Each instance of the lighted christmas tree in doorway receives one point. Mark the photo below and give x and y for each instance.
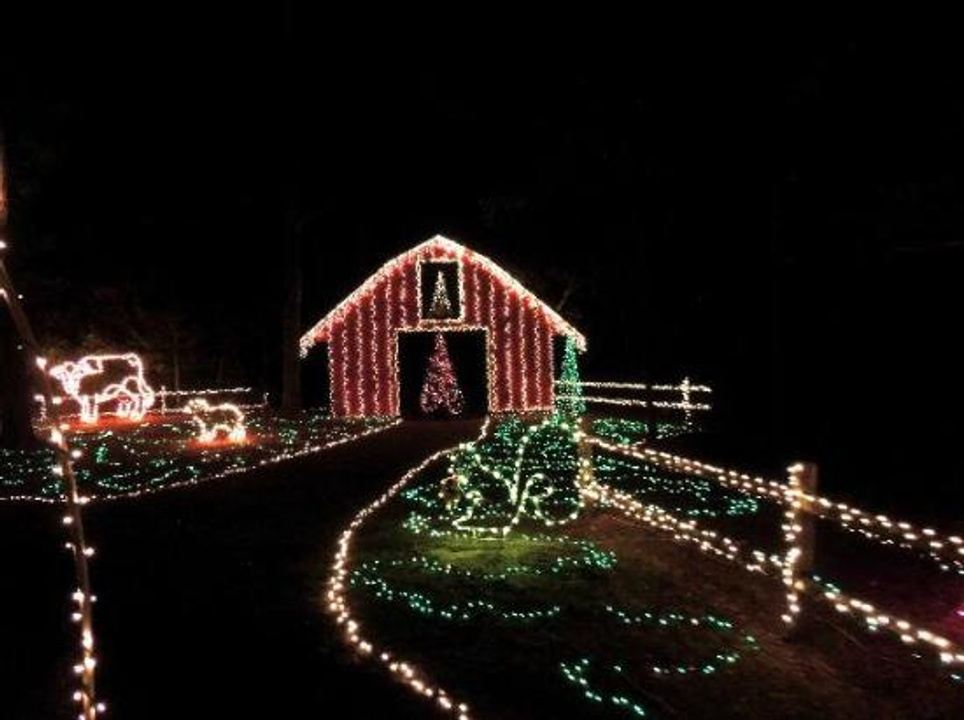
(440, 391)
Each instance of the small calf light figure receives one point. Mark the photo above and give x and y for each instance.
(225, 419)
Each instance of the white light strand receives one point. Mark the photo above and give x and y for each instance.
(96, 379)
(622, 402)
(791, 529)
(794, 498)
(634, 386)
(72, 520)
(429, 248)
(213, 421)
(337, 603)
(686, 531)
(948, 652)
(685, 388)
(936, 544)
(268, 461)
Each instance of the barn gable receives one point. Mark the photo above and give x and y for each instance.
(405, 296)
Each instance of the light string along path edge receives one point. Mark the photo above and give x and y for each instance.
(337, 601)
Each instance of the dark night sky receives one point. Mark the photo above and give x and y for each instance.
(780, 219)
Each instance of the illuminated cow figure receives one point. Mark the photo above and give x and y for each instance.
(97, 379)
(212, 420)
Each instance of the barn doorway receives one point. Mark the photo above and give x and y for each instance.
(467, 353)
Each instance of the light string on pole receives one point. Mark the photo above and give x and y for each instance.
(85, 696)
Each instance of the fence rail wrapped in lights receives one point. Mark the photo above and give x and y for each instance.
(572, 389)
(162, 396)
(800, 501)
(874, 526)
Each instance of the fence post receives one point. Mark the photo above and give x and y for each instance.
(799, 532)
(685, 387)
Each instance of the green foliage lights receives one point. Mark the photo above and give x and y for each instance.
(471, 569)
(570, 401)
(694, 497)
(374, 577)
(160, 454)
(615, 684)
(625, 431)
(519, 473)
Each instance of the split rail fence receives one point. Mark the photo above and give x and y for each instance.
(802, 506)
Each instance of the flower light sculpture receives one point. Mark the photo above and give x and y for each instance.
(225, 420)
(97, 379)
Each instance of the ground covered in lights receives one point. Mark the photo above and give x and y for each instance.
(603, 618)
(121, 458)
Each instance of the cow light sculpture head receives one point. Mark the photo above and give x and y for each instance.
(213, 421)
(95, 380)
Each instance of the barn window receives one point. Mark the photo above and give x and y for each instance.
(440, 290)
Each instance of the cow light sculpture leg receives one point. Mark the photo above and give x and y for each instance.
(95, 380)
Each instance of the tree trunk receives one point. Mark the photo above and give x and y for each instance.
(291, 231)
(291, 322)
(176, 356)
(16, 430)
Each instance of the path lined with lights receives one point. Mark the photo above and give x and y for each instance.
(380, 577)
(142, 460)
(226, 580)
(402, 580)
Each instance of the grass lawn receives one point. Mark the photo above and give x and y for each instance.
(604, 618)
(121, 458)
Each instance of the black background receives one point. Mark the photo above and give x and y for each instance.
(775, 216)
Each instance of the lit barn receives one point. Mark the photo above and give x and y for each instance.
(493, 324)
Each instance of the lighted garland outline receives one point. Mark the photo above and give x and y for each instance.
(517, 499)
(436, 249)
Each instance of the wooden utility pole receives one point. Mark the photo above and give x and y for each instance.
(806, 480)
(73, 518)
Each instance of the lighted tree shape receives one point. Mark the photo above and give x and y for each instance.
(569, 399)
(520, 472)
(441, 306)
(440, 391)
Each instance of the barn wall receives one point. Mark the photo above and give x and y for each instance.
(363, 348)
